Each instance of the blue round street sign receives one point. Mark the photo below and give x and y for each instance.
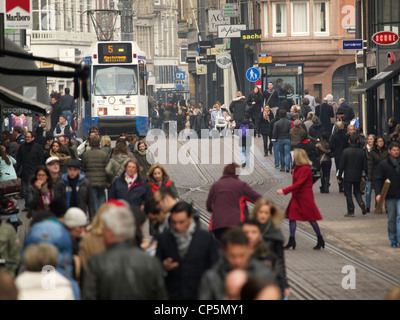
(253, 74)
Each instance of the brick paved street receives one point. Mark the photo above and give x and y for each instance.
(363, 238)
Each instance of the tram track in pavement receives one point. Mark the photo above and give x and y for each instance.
(301, 286)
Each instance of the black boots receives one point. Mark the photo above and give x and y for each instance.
(320, 243)
(291, 243)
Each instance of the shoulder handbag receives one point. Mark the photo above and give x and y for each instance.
(316, 174)
(269, 98)
(10, 186)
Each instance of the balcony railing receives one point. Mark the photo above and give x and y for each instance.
(62, 36)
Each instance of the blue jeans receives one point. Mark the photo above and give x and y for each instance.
(393, 206)
(68, 114)
(284, 151)
(348, 186)
(276, 153)
(99, 197)
(245, 156)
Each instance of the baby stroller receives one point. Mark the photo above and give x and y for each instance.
(223, 124)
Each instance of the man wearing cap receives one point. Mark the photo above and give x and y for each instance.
(78, 191)
(75, 221)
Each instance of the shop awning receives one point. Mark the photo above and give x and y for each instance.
(383, 76)
(16, 99)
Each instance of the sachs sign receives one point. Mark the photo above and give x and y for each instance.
(385, 38)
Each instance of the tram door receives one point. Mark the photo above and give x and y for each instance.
(291, 75)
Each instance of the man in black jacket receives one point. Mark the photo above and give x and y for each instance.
(337, 143)
(123, 271)
(29, 156)
(238, 108)
(67, 103)
(281, 132)
(186, 252)
(353, 165)
(390, 169)
(274, 140)
(271, 97)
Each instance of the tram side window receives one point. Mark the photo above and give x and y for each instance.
(142, 79)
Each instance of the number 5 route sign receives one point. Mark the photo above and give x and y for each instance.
(253, 74)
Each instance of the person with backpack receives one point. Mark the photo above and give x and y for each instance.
(245, 140)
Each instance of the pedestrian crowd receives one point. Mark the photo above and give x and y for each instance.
(108, 223)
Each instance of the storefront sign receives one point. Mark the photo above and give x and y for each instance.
(215, 19)
(18, 14)
(15, 110)
(251, 36)
(231, 31)
(385, 38)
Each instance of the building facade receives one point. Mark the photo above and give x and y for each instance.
(310, 32)
(378, 65)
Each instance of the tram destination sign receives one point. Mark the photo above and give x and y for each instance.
(115, 52)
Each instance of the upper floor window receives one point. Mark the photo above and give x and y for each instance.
(321, 18)
(300, 18)
(279, 19)
(184, 49)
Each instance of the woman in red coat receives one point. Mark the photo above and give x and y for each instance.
(302, 206)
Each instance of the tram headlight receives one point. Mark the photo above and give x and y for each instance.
(102, 111)
(130, 111)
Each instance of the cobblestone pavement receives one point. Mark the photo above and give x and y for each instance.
(360, 242)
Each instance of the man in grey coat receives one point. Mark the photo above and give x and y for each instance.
(94, 163)
(123, 271)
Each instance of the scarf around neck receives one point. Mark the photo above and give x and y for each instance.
(183, 240)
(396, 163)
(130, 180)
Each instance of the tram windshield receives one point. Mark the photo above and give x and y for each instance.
(115, 80)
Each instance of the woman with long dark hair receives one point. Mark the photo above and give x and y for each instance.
(60, 151)
(41, 191)
(378, 153)
(265, 122)
(302, 206)
(255, 102)
(158, 177)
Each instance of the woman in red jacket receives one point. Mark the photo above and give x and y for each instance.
(302, 206)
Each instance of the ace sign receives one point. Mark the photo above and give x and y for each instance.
(216, 19)
(17, 14)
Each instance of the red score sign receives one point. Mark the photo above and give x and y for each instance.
(385, 38)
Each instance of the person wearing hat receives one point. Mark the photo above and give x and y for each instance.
(53, 165)
(75, 221)
(78, 191)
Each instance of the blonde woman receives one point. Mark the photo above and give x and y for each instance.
(269, 218)
(93, 242)
(105, 145)
(302, 206)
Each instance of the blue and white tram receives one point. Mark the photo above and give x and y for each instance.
(118, 89)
